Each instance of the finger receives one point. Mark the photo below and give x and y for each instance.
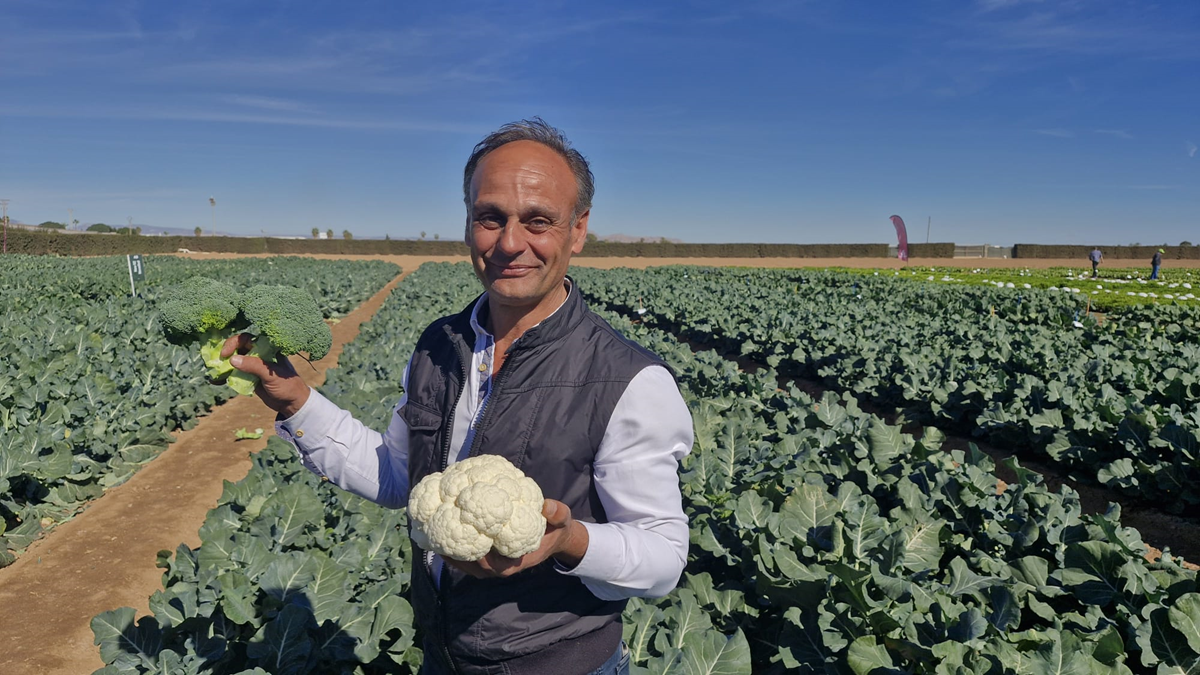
(251, 365)
(240, 343)
(557, 513)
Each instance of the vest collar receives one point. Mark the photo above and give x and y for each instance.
(556, 326)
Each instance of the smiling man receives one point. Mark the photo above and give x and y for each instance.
(527, 372)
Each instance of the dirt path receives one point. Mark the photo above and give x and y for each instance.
(104, 557)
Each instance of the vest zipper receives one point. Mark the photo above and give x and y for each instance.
(487, 407)
(442, 588)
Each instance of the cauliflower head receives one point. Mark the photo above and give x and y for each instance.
(476, 505)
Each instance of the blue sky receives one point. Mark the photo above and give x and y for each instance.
(1072, 121)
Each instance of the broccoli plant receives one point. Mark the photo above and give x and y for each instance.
(283, 319)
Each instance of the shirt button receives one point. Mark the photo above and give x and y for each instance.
(483, 367)
(299, 433)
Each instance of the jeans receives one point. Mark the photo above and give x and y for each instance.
(1095, 269)
(1154, 271)
(617, 664)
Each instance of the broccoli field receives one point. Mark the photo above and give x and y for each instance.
(825, 538)
(89, 388)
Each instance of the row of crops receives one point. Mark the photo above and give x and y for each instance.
(823, 540)
(90, 390)
(1112, 289)
(1116, 402)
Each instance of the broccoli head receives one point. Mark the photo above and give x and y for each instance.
(198, 305)
(285, 320)
(289, 318)
(203, 310)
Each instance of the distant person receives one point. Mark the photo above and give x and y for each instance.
(1155, 263)
(1096, 256)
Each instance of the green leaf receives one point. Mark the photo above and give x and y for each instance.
(965, 582)
(288, 575)
(1185, 618)
(886, 442)
(237, 598)
(328, 587)
(1091, 571)
(712, 653)
(283, 644)
(1062, 655)
(866, 657)
(922, 548)
(117, 635)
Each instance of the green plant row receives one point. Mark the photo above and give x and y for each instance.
(338, 286)
(90, 389)
(1114, 290)
(1117, 403)
(823, 540)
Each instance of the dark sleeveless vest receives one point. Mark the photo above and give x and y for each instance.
(547, 413)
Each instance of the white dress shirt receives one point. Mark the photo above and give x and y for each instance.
(640, 551)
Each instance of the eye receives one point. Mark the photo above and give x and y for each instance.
(488, 221)
(539, 225)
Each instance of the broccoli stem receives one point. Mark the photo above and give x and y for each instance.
(210, 351)
(244, 383)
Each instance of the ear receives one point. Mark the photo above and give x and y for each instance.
(579, 232)
(467, 230)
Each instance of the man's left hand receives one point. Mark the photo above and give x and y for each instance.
(566, 540)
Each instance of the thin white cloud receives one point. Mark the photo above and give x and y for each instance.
(1116, 133)
(1056, 133)
(993, 5)
(199, 115)
(1066, 28)
(266, 103)
(1190, 148)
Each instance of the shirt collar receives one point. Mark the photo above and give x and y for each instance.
(482, 302)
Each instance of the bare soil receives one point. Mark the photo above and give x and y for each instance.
(104, 558)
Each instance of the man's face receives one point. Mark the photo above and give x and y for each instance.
(519, 223)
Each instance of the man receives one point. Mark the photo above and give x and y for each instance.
(1096, 256)
(527, 372)
(1155, 263)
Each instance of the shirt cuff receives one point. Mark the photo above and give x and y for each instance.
(312, 417)
(603, 559)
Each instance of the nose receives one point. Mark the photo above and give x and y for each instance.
(512, 238)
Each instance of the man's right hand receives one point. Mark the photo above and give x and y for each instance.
(279, 386)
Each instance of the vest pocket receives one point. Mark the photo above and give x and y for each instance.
(420, 418)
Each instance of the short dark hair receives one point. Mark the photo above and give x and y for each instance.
(535, 129)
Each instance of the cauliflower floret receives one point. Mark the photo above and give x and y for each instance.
(475, 505)
(451, 537)
(425, 498)
(521, 534)
(485, 507)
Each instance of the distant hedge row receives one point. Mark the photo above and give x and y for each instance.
(604, 249)
(36, 243)
(1065, 252)
(940, 250)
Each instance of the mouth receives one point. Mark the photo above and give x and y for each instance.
(510, 271)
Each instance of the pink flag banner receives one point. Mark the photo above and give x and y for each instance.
(902, 236)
